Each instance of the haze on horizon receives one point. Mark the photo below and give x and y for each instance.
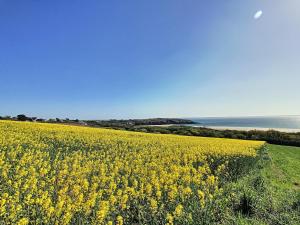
(141, 59)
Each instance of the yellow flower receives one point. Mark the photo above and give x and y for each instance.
(23, 221)
(103, 210)
(170, 219)
(201, 196)
(153, 205)
(187, 191)
(178, 210)
(120, 220)
(124, 200)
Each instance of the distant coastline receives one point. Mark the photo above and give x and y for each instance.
(263, 123)
(288, 124)
(287, 130)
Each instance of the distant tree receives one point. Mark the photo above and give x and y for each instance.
(21, 117)
(58, 120)
(7, 117)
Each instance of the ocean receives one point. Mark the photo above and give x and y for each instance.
(281, 123)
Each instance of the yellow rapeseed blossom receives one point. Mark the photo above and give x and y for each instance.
(178, 210)
(23, 221)
(54, 174)
(153, 205)
(120, 220)
(170, 219)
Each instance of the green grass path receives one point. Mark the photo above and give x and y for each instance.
(284, 171)
(273, 188)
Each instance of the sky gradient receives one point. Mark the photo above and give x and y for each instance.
(138, 59)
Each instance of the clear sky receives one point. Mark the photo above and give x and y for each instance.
(136, 59)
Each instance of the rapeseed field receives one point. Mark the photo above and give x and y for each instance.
(58, 174)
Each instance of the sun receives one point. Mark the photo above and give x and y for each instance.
(258, 14)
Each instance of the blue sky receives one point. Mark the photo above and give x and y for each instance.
(138, 59)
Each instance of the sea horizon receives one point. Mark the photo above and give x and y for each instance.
(285, 123)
